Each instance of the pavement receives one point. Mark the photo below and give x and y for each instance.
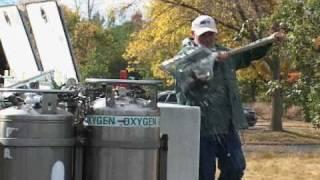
(282, 148)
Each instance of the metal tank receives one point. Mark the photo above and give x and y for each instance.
(123, 132)
(36, 138)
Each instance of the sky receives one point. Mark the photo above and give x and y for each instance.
(104, 6)
(5, 2)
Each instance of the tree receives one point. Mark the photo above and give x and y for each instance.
(89, 6)
(98, 48)
(169, 22)
(91, 44)
(121, 35)
(303, 20)
(252, 78)
(239, 21)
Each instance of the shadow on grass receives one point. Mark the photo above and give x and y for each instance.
(301, 135)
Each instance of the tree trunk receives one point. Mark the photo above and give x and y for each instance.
(90, 7)
(277, 109)
(305, 92)
(253, 91)
(306, 109)
(277, 99)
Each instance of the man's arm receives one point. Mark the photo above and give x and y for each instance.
(244, 57)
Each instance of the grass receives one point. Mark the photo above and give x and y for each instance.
(268, 165)
(295, 130)
(271, 165)
(282, 166)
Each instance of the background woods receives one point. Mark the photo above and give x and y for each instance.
(287, 76)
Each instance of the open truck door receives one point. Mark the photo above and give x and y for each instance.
(35, 42)
(16, 46)
(52, 40)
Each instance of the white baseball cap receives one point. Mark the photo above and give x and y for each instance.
(203, 24)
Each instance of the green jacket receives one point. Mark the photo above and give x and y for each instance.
(218, 97)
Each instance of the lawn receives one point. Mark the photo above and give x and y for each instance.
(282, 166)
(276, 160)
(295, 130)
(269, 164)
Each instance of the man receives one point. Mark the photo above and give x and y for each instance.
(218, 97)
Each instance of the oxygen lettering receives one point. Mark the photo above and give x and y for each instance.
(123, 121)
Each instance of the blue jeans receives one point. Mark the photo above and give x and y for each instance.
(226, 148)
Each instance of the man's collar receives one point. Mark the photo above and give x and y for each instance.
(214, 48)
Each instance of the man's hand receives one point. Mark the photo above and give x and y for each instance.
(222, 56)
(279, 36)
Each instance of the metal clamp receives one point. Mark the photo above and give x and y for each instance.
(39, 91)
(123, 81)
(109, 93)
(49, 98)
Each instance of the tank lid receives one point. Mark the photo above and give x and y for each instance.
(123, 81)
(28, 113)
